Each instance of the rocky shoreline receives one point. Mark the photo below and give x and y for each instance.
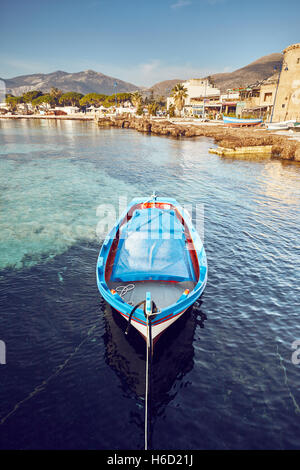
(227, 138)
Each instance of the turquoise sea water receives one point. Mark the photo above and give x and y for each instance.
(223, 376)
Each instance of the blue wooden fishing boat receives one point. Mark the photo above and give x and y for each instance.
(152, 264)
(239, 122)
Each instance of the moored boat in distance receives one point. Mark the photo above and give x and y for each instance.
(239, 122)
(283, 125)
(152, 259)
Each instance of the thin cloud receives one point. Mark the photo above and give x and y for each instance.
(180, 4)
(155, 71)
(16, 66)
(185, 3)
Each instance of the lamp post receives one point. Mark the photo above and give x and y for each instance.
(280, 70)
(115, 85)
(204, 98)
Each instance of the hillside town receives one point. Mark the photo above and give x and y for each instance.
(276, 98)
(273, 99)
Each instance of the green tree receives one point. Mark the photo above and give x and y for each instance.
(109, 101)
(13, 101)
(44, 99)
(29, 96)
(71, 98)
(179, 93)
(95, 99)
(116, 99)
(122, 97)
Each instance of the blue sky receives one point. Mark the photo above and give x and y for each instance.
(142, 42)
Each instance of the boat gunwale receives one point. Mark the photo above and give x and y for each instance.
(235, 120)
(173, 309)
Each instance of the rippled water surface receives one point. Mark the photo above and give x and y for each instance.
(223, 376)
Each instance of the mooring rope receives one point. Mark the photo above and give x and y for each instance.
(39, 388)
(123, 290)
(147, 383)
(148, 314)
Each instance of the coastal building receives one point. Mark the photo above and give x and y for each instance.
(202, 95)
(23, 108)
(201, 106)
(229, 102)
(276, 98)
(125, 109)
(287, 101)
(205, 99)
(257, 99)
(68, 109)
(200, 87)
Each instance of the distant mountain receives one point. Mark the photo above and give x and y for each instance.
(90, 81)
(81, 82)
(256, 71)
(164, 88)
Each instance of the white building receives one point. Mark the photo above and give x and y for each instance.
(230, 96)
(68, 109)
(124, 109)
(197, 89)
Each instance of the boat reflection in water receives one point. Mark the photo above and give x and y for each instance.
(172, 359)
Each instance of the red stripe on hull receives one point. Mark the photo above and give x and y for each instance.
(236, 124)
(163, 320)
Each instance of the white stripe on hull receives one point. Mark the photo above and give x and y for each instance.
(156, 329)
(161, 327)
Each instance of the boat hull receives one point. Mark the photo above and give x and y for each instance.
(157, 330)
(170, 294)
(161, 324)
(281, 126)
(236, 122)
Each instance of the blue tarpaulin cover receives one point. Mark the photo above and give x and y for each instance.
(152, 247)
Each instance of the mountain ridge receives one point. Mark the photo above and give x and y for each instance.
(89, 81)
(257, 70)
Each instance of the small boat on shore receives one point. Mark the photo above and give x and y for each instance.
(152, 263)
(239, 122)
(280, 126)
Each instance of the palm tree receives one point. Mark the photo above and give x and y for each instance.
(153, 108)
(136, 99)
(179, 93)
(55, 93)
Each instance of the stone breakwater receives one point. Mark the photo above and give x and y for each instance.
(226, 138)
